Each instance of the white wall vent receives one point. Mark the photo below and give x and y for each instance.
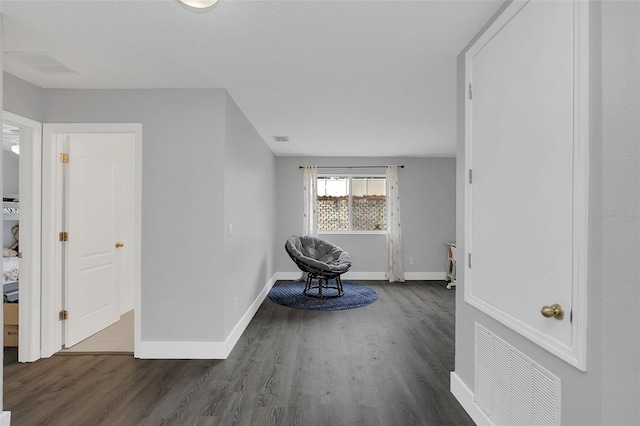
(280, 138)
(511, 388)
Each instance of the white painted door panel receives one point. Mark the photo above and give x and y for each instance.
(94, 202)
(522, 159)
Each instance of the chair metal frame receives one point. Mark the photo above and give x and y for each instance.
(321, 277)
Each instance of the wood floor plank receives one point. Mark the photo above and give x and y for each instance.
(384, 364)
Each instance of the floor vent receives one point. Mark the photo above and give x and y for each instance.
(511, 388)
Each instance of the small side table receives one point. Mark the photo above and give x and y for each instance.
(451, 264)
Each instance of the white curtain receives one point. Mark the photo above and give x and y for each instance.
(310, 187)
(395, 268)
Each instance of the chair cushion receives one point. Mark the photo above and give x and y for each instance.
(317, 253)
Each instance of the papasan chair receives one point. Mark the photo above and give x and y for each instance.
(322, 261)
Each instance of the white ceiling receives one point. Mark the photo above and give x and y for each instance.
(340, 78)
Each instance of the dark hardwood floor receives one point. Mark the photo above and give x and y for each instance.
(384, 364)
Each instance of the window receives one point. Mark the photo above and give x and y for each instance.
(352, 203)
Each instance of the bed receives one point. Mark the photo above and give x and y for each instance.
(10, 277)
(10, 269)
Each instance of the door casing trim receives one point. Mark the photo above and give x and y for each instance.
(30, 211)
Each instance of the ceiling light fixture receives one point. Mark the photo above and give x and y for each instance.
(200, 4)
(15, 149)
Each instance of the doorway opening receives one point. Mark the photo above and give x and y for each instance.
(91, 238)
(22, 159)
(117, 338)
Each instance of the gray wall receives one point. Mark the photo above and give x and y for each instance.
(183, 166)
(23, 98)
(427, 198)
(607, 392)
(250, 205)
(202, 163)
(10, 172)
(620, 186)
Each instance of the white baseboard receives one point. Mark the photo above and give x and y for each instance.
(288, 276)
(426, 276)
(356, 275)
(181, 350)
(347, 276)
(5, 418)
(204, 350)
(237, 331)
(465, 397)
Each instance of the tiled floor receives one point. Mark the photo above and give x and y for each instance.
(115, 338)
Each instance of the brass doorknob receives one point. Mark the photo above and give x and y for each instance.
(119, 245)
(554, 311)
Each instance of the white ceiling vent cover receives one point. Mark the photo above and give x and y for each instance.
(280, 138)
(511, 388)
(40, 61)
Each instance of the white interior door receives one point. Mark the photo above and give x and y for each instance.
(525, 215)
(94, 204)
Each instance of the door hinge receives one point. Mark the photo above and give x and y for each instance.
(470, 176)
(470, 92)
(64, 236)
(64, 158)
(469, 262)
(63, 315)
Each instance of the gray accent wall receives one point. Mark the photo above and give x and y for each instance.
(250, 206)
(427, 199)
(186, 284)
(607, 393)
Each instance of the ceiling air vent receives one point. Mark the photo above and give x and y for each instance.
(280, 138)
(40, 61)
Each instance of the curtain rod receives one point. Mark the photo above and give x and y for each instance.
(350, 167)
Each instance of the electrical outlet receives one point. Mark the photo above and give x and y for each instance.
(230, 232)
(411, 261)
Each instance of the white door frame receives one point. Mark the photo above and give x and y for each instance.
(52, 209)
(576, 353)
(30, 218)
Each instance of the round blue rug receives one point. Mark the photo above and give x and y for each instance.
(290, 295)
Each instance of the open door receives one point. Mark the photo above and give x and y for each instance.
(95, 195)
